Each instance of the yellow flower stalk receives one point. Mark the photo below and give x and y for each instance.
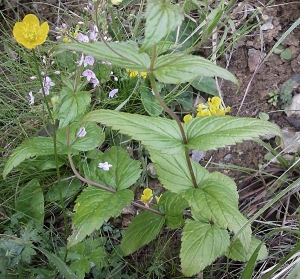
(147, 196)
(133, 73)
(29, 32)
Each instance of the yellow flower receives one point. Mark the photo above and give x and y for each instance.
(202, 110)
(133, 73)
(187, 118)
(213, 107)
(147, 195)
(29, 32)
(214, 101)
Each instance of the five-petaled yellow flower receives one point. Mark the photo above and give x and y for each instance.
(29, 32)
(147, 196)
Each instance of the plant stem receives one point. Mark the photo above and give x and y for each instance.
(54, 146)
(80, 177)
(173, 115)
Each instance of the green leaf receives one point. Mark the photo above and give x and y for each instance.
(161, 18)
(157, 133)
(31, 201)
(93, 207)
(211, 132)
(69, 188)
(178, 68)
(202, 243)
(237, 252)
(172, 205)
(120, 54)
(31, 147)
(45, 146)
(184, 38)
(59, 264)
(94, 137)
(85, 253)
(206, 84)
(143, 229)
(215, 201)
(173, 171)
(150, 103)
(286, 54)
(249, 267)
(71, 105)
(123, 173)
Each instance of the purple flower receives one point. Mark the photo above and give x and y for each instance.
(81, 133)
(94, 33)
(105, 166)
(95, 82)
(89, 74)
(113, 93)
(82, 38)
(47, 84)
(88, 60)
(31, 98)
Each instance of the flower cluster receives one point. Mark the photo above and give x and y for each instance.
(29, 32)
(133, 73)
(213, 107)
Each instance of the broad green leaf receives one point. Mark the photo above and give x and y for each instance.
(94, 137)
(58, 263)
(178, 68)
(71, 105)
(45, 146)
(46, 162)
(184, 38)
(157, 133)
(93, 207)
(150, 103)
(161, 18)
(249, 267)
(202, 243)
(214, 201)
(69, 188)
(143, 229)
(211, 132)
(237, 251)
(122, 174)
(206, 84)
(85, 253)
(31, 147)
(172, 205)
(31, 201)
(120, 54)
(173, 171)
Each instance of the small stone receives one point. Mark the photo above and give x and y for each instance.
(151, 169)
(129, 210)
(227, 157)
(293, 110)
(254, 58)
(198, 155)
(267, 25)
(290, 141)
